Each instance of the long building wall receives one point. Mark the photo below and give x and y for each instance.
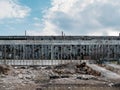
(59, 50)
(63, 49)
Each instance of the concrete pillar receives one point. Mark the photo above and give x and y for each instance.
(14, 52)
(71, 53)
(52, 52)
(32, 51)
(108, 51)
(61, 52)
(89, 51)
(23, 52)
(5, 54)
(114, 51)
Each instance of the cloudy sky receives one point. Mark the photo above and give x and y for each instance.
(51, 17)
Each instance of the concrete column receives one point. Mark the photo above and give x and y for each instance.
(80, 51)
(115, 51)
(33, 52)
(108, 52)
(70, 53)
(2, 49)
(61, 52)
(97, 46)
(5, 54)
(89, 51)
(58, 52)
(96, 51)
(14, 52)
(42, 54)
(1, 53)
(23, 56)
(52, 52)
(102, 51)
(118, 51)
(99, 51)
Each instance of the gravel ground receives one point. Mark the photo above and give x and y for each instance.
(29, 78)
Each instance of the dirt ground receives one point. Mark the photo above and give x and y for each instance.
(36, 77)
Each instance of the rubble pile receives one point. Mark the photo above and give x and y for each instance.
(15, 79)
(84, 69)
(72, 68)
(5, 69)
(41, 77)
(20, 78)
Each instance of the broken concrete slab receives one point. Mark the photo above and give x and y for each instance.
(114, 66)
(104, 72)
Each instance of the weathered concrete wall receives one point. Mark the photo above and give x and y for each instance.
(67, 48)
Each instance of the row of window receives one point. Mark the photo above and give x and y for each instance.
(64, 52)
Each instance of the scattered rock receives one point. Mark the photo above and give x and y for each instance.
(54, 77)
(86, 77)
(41, 77)
(115, 85)
(59, 74)
(20, 76)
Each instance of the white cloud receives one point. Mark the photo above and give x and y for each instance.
(45, 31)
(12, 9)
(104, 32)
(36, 18)
(82, 17)
(37, 24)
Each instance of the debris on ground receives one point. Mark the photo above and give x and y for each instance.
(106, 73)
(71, 68)
(112, 67)
(22, 77)
(5, 69)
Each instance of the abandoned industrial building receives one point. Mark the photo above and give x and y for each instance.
(35, 49)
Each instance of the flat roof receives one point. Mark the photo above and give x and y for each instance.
(59, 37)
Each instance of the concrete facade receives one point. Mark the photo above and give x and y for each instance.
(59, 47)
